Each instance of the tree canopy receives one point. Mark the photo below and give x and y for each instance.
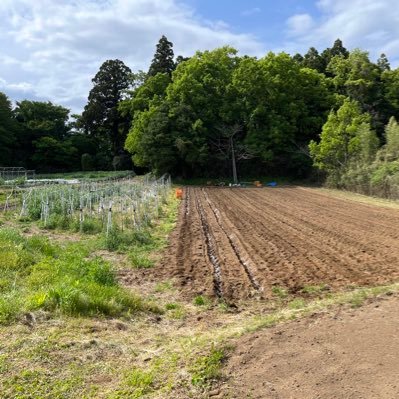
(200, 115)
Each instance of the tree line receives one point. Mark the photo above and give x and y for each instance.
(189, 116)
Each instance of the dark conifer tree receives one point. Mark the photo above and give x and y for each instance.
(163, 58)
(313, 60)
(100, 117)
(383, 63)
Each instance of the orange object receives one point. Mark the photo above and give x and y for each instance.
(179, 193)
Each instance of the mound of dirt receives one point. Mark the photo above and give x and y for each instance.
(350, 354)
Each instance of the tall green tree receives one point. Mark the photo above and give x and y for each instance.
(43, 118)
(390, 80)
(8, 131)
(392, 139)
(339, 139)
(163, 58)
(327, 55)
(313, 60)
(38, 120)
(360, 79)
(383, 63)
(100, 118)
(273, 106)
(51, 154)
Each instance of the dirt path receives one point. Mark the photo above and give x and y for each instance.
(352, 354)
(238, 243)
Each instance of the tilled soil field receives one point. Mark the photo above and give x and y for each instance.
(240, 242)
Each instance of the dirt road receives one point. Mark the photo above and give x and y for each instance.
(239, 243)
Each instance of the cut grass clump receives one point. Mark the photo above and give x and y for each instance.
(208, 368)
(279, 292)
(141, 381)
(201, 300)
(175, 310)
(36, 274)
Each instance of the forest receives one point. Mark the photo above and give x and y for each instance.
(331, 114)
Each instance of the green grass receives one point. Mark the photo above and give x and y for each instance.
(201, 300)
(138, 383)
(208, 368)
(36, 274)
(164, 286)
(314, 289)
(279, 292)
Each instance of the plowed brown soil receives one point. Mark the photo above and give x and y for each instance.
(352, 354)
(238, 243)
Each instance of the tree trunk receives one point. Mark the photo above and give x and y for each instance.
(233, 160)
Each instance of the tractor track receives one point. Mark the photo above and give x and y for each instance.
(245, 262)
(211, 250)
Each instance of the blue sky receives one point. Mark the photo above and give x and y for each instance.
(51, 49)
(265, 19)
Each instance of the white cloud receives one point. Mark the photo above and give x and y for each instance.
(371, 25)
(299, 24)
(51, 49)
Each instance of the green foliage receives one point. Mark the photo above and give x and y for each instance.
(141, 381)
(339, 139)
(122, 240)
(50, 153)
(100, 117)
(348, 152)
(279, 292)
(8, 131)
(163, 58)
(140, 260)
(201, 300)
(215, 91)
(38, 275)
(392, 140)
(208, 368)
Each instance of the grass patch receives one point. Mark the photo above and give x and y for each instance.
(36, 274)
(208, 368)
(314, 289)
(201, 300)
(279, 292)
(37, 383)
(140, 260)
(141, 381)
(164, 286)
(298, 303)
(175, 310)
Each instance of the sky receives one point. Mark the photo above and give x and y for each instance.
(51, 49)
